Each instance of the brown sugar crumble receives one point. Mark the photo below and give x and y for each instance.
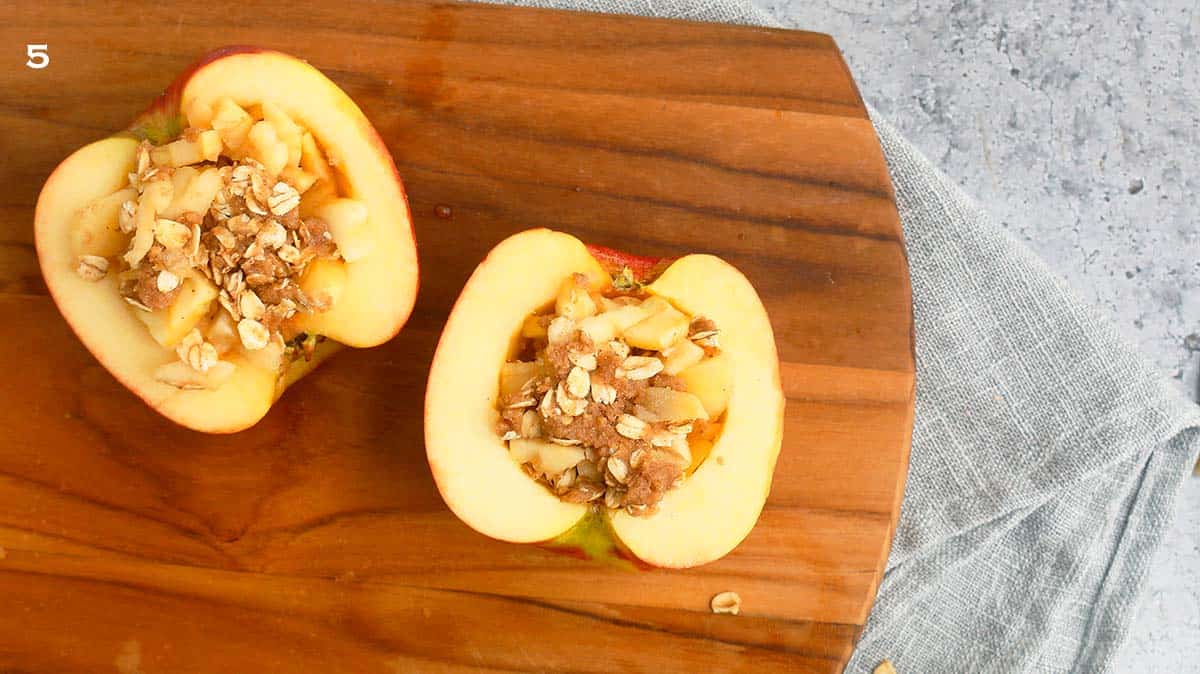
(250, 242)
(216, 240)
(593, 406)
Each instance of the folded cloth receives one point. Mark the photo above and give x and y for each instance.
(1047, 455)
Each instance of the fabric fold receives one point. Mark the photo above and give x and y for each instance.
(1047, 456)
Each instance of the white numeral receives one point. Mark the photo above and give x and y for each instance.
(39, 56)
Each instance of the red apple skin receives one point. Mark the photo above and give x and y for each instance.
(162, 120)
(617, 556)
(567, 549)
(645, 269)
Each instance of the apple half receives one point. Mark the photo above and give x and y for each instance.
(298, 127)
(705, 515)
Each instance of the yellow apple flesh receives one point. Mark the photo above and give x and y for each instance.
(97, 231)
(711, 381)
(168, 326)
(464, 451)
(719, 503)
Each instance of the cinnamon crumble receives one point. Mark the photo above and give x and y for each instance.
(593, 406)
(217, 246)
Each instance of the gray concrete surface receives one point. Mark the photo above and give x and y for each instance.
(1076, 124)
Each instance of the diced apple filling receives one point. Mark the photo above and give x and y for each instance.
(230, 239)
(613, 397)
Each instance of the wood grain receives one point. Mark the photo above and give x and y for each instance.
(316, 541)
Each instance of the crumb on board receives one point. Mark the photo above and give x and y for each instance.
(726, 602)
(885, 667)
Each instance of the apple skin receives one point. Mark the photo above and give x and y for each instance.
(645, 269)
(163, 120)
(592, 539)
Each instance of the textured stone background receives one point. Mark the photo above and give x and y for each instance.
(1077, 125)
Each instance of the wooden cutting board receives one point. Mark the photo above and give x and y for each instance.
(316, 541)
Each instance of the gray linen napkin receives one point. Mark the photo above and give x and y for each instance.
(1046, 456)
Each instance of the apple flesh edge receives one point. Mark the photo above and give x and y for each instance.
(462, 447)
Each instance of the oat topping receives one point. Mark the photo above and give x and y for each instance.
(704, 332)
(726, 602)
(250, 243)
(196, 352)
(254, 334)
(166, 281)
(92, 267)
(593, 409)
(216, 240)
(637, 368)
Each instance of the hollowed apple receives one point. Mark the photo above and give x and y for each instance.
(580, 399)
(245, 225)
